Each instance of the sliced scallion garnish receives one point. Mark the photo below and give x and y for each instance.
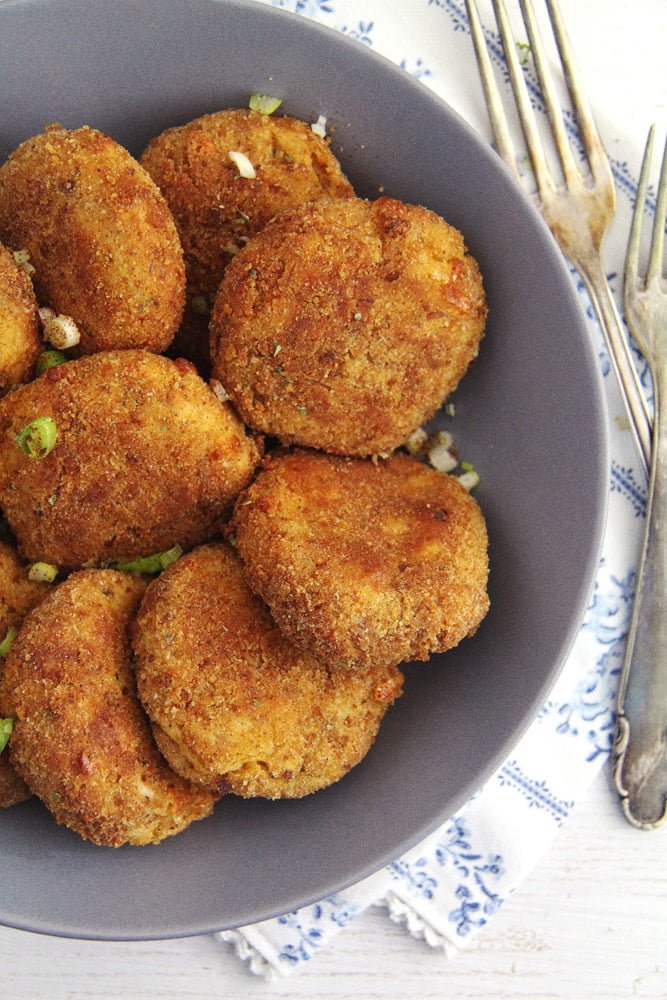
(151, 564)
(49, 359)
(264, 103)
(6, 643)
(42, 572)
(6, 726)
(38, 438)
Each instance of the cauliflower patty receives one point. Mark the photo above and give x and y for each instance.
(144, 457)
(20, 341)
(234, 705)
(364, 564)
(18, 595)
(81, 740)
(343, 325)
(100, 236)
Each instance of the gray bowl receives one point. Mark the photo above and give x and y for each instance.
(529, 415)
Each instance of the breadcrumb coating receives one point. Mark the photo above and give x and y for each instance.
(18, 595)
(234, 704)
(146, 457)
(364, 564)
(81, 740)
(217, 211)
(343, 325)
(20, 341)
(100, 236)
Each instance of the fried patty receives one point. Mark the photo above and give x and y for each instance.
(81, 740)
(100, 236)
(13, 788)
(364, 564)
(146, 457)
(18, 595)
(20, 342)
(234, 705)
(216, 210)
(343, 325)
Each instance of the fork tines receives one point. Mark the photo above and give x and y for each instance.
(577, 208)
(597, 159)
(656, 252)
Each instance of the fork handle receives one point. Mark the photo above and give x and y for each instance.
(620, 358)
(640, 769)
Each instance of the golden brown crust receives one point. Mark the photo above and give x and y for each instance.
(13, 788)
(362, 563)
(216, 210)
(81, 740)
(234, 704)
(20, 341)
(100, 236)
(18, 595)
(343, 325)
(146, 457)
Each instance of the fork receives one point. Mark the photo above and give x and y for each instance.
(578, 212)
(640, 769)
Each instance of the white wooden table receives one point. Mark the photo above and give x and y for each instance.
(591, 921)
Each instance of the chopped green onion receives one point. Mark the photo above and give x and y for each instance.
(62, 332)
(416, 441)
(49, 359)
(219, 390)
(242, 164)
(151, 564)
(264, 103)
(38, 438)
(6, 643)
(46, 314)
(6, 726)
(469, 480)
(42, 572)
(22, 260)
(320, 127)
(439, 455)
(524, 52)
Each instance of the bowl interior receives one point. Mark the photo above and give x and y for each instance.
(529, 415)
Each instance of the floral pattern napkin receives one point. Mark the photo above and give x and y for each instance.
(449, 887)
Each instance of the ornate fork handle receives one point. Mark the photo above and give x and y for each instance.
(641, 766)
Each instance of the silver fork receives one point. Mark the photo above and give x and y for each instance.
(641, 748)
(578, 212)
